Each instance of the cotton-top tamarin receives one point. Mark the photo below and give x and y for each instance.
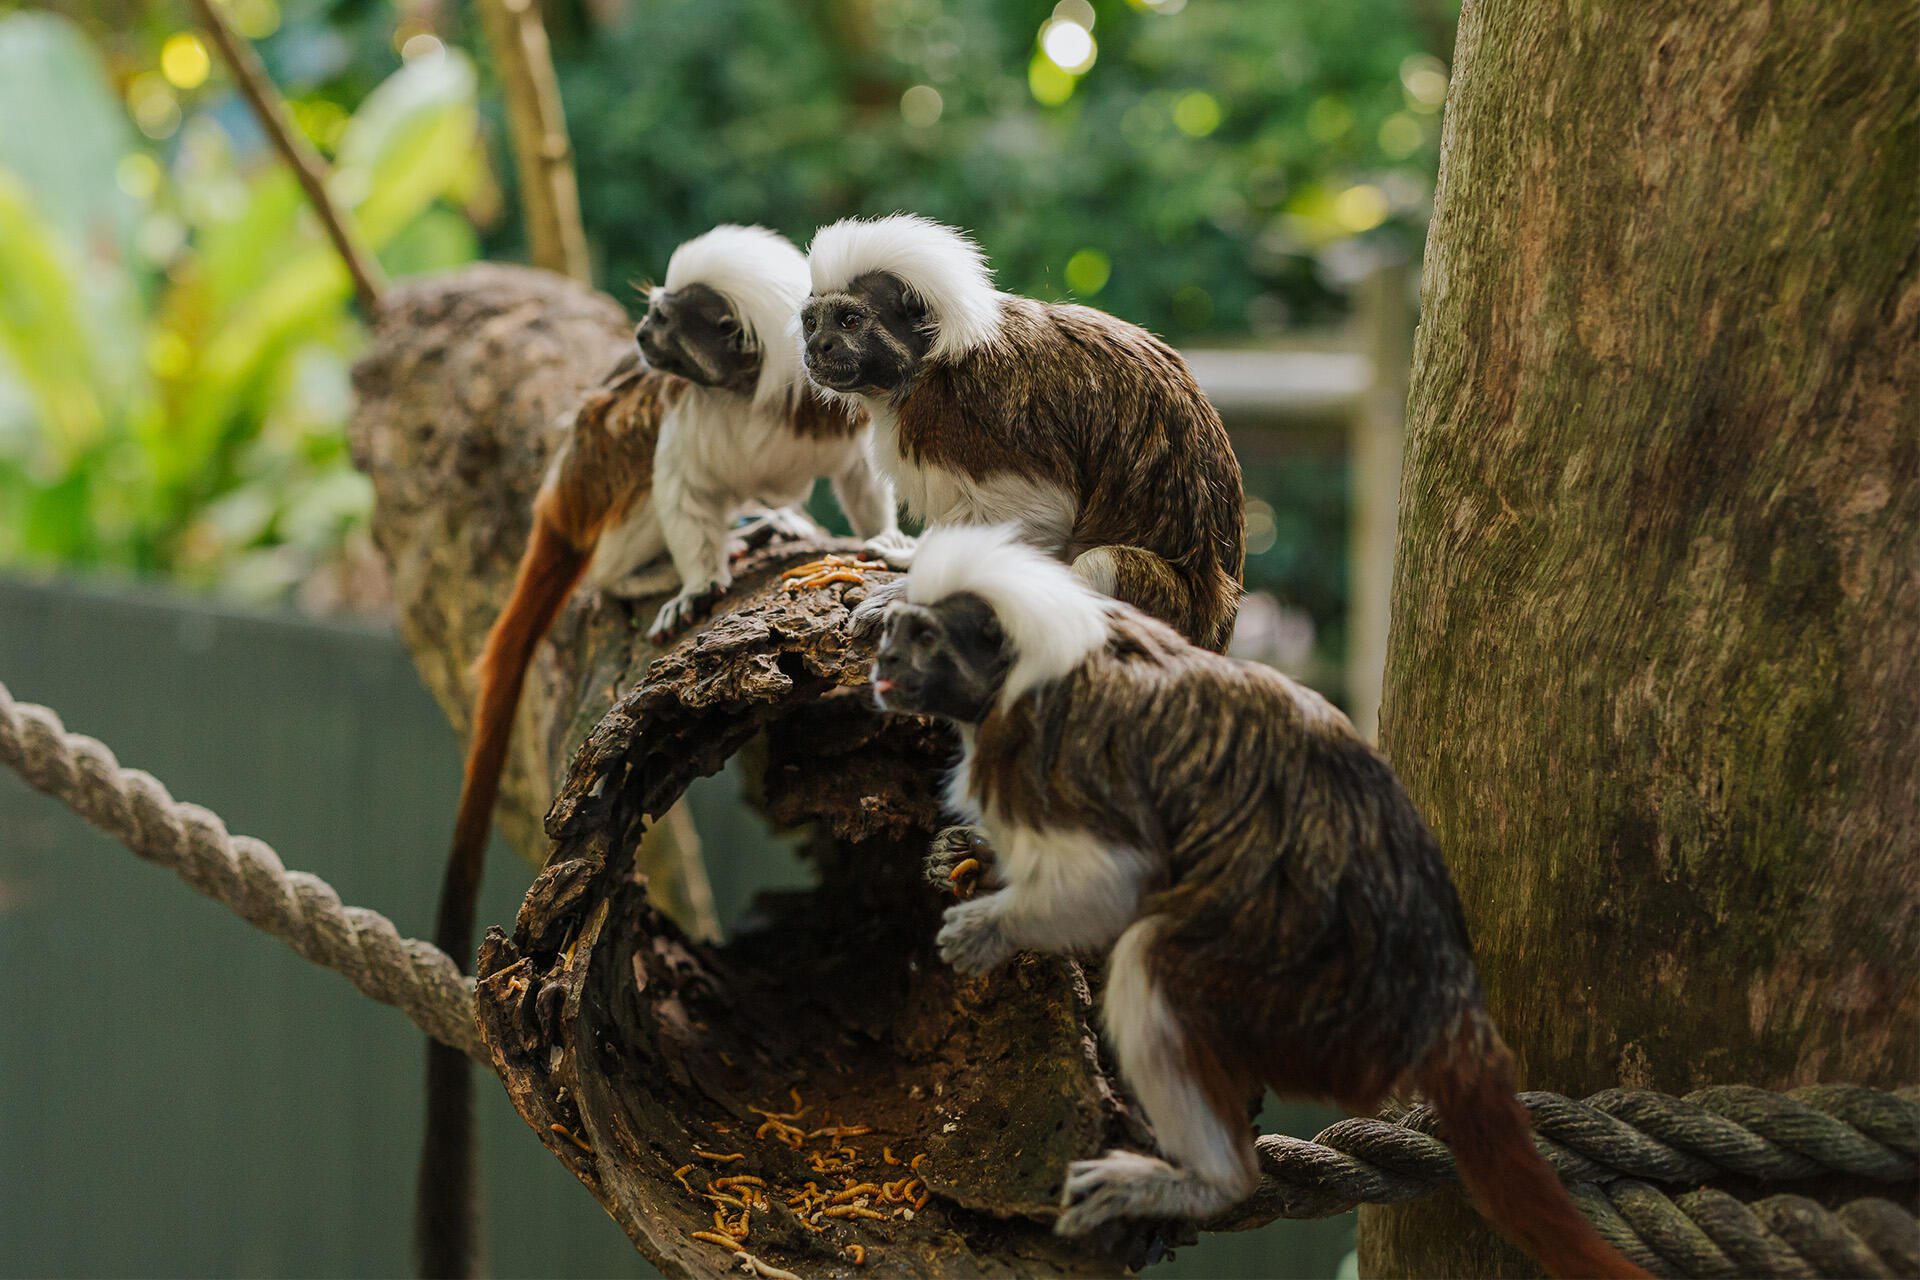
(1277, 914)
(1087, 432)
(714, 416)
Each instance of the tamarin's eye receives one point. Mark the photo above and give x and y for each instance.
(850, 321)
(806, 323)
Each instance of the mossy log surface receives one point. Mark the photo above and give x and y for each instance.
(630, 1048)
(1654, 673)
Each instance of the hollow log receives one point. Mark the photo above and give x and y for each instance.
(647, 1061)
(1652, 674)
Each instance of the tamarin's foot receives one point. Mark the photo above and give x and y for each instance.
(871, 612)
(768, 523)
(895, 547)
(692, 604)
(1126, 1184)
(973, 936)
(957, 860)
(828, 570)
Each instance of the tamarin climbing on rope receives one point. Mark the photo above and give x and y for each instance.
(712, 415)
(1278, 914)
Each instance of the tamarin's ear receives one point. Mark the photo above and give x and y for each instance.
(918, 313)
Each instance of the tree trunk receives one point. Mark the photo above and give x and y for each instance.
(646, 1060)
(1653, 674)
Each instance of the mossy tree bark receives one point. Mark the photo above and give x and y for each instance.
(1654, 673)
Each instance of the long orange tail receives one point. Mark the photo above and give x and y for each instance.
(1470, 1079)
(446, 1215)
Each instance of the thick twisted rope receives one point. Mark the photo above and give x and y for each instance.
(241, 873)
(1617, 1144)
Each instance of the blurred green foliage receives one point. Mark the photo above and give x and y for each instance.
(1203, 175)
(175, 336)
(174, 330)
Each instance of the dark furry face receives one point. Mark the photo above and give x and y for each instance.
(694, 334)
(948, 659)
(871, 338)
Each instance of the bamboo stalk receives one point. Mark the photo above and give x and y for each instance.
(537, 126)
(369, 282)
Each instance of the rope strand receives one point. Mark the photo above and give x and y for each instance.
(242, 874)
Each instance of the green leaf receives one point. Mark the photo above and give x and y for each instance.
(63, 134)
(414, 140)
(64, 131)
(44, 339)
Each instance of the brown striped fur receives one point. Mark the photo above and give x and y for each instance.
(1112, 415)
(818, 416)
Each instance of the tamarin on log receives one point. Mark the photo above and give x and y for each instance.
(1087, 432)
(1277, 913)
(709, 415)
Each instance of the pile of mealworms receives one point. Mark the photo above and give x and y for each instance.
(850, 1187)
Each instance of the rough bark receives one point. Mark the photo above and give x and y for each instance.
(458, 408)
(1653, 674)
(646, 1048)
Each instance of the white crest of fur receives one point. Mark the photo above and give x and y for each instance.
(1052, 618)
(765, 278)
(942, 267)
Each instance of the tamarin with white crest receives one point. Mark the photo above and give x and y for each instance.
(1277, 915)
(1087, 432)
(714, 417)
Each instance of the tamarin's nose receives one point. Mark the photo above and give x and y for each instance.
(648, 338)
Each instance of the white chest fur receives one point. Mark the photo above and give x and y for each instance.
(1045, 512)
(751, 456)
(1086, 889)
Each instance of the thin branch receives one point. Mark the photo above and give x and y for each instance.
(542, 153)
(369, 282)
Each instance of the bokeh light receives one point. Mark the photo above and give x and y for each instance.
(1075, 11)
(407, 30)
(154, 108)
(921, 106)
(1197, 114)
(1262, 529)
(160, 237)
(1328, 119)
(1088, 272)
(1400, 136)
(422, 44)
(184, 61)
(254, 19)
(1069, 45)
(1424, 77)
(1360, 208)
(138, 174)
(1049, 84)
